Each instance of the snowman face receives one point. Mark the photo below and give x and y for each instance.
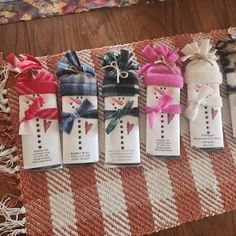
(29, 99)
(75, 101)
(157, 92)
(197, 88)
(117, 102)
(154, 93)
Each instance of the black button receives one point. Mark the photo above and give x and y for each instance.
(39, 147)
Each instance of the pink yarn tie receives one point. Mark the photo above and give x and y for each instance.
(163, 106)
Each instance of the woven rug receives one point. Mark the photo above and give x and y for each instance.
(92, 200)
(18, 10)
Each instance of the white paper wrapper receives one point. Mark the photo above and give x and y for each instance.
(206, 130)
(81, 145)
(42, 149)
(163, 140)
(122, 145)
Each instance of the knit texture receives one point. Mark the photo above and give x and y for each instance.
(92, 200)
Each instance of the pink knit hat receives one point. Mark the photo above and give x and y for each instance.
(161, 69)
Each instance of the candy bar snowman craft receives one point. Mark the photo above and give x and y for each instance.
(38, 113)
(163, 80)
(120, 90)
(203, 77)
(227, 52)
(78, 88)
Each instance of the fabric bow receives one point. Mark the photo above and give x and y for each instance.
(163, 106)
(192, 109)
(116, 115)
(119, 65)
(85, 110)
(35, 111)
(195, 52)
(160, 55)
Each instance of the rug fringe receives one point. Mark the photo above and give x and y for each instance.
(4, 74)
(14, 222)
(8, 160)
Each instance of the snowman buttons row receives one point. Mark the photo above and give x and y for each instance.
(207, 120)
(122, 135)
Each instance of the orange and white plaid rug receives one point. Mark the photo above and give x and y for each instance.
(92, 200)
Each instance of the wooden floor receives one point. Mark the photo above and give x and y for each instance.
(117, 26)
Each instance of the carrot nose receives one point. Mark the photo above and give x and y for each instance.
(159, 90)
(30, 98)
(76, 100)
(118, 101)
